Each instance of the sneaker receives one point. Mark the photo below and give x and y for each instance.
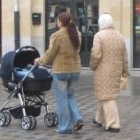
(63, 132)
(56, 130)
(79, 125)
(66, 132)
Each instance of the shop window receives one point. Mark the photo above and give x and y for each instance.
(85, 14)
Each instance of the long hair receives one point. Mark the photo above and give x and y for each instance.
(66, 20)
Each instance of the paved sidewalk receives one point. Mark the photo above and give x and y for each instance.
(129, 109)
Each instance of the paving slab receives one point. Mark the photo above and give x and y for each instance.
(128, 104)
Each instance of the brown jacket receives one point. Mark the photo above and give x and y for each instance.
(61, 52)
(109, 62)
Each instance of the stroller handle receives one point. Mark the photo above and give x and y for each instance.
(29, 72)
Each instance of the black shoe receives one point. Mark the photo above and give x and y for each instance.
(113, 130)
(79, 125)
(97, 123)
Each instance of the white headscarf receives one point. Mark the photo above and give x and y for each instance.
(105, 21)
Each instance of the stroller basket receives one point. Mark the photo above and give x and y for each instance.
(30, 110)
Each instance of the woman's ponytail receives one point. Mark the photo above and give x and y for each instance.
(66, 20)
(73, 34)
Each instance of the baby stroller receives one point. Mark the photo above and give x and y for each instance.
(27, 82)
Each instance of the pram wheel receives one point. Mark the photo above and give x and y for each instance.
(33, 120)
(8, 118)
(2, 119)
(26, 123)
(49, 119)
(55, 117)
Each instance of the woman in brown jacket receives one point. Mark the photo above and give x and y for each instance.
(109, 63)
(63, 51)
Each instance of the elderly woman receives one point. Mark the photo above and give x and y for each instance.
(64, 51)
(109, 62)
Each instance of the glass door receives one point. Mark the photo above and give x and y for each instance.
(85, 13)
(136, 23)
(87, 21)
(53, 9)
(0, 30)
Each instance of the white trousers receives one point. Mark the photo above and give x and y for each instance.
(107, 114)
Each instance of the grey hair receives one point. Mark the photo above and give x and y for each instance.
(105, 21)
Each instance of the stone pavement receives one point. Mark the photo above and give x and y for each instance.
(129, 109)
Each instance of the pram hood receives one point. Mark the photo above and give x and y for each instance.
(19, 58)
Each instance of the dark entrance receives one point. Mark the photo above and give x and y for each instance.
(0, 30)
(136, 34)
(85, 13)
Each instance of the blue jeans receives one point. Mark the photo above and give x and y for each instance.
(67, 109)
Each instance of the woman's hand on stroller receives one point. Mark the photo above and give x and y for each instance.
(36, 61)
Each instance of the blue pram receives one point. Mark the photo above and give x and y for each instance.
(27, 82)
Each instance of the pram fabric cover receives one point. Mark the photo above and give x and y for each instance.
(16, 64)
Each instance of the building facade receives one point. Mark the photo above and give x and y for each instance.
(38, 22)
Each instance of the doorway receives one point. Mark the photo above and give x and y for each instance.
(136, 34)
(0, 30)
(85, 13)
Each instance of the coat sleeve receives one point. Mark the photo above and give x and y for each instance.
(125, 62)
(96, 52)
(50, 54)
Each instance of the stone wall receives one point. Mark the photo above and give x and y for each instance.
(30, 34)
(121, 11)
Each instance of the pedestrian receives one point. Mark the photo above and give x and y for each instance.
(64, 51)
(109, 62)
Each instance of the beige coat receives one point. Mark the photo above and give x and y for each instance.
(61, 52)
(109, 62)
